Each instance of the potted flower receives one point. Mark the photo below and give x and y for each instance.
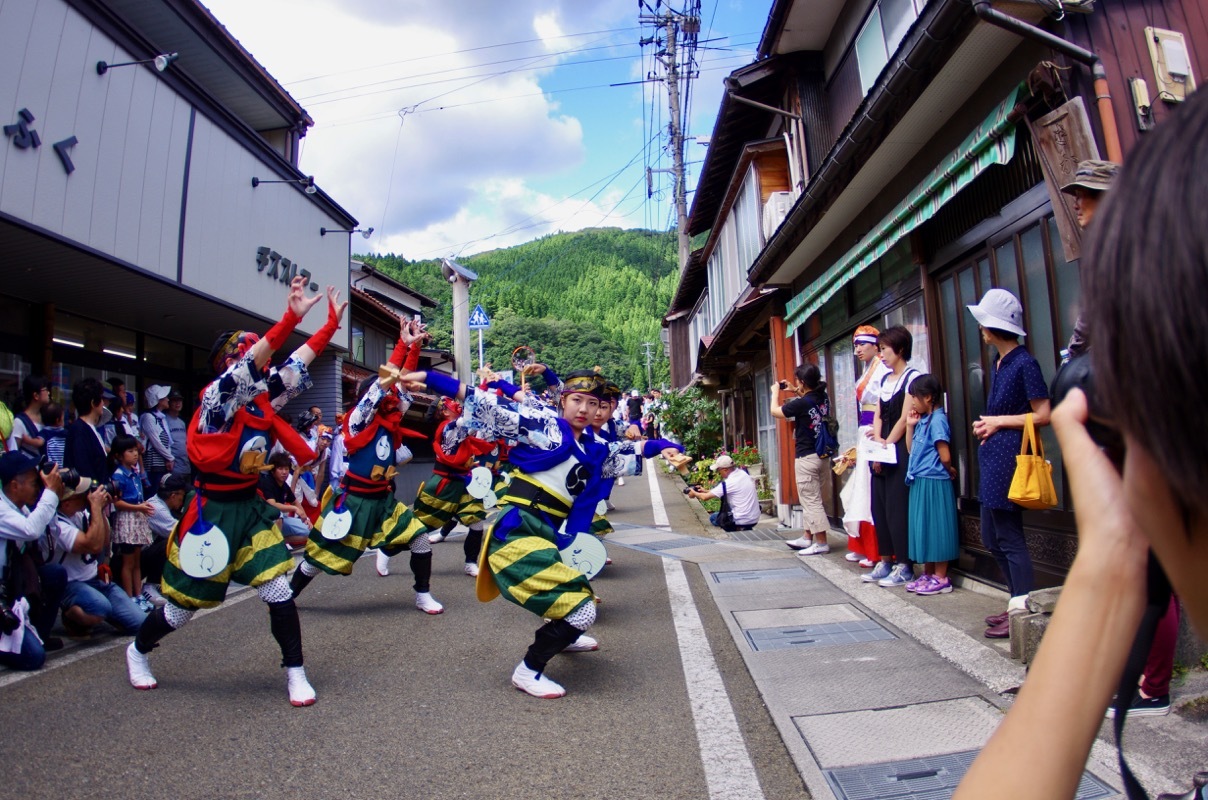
(747, 456)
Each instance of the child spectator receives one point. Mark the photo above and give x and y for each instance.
(131, 528)
(25, 436)
(53, 433)
(932, 528)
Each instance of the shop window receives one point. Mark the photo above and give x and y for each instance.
(954, 386)
(766, 429)
(162, 353)
(911, 317)
(845, 369)
(881, 36)
(358, 344)
(84, 334)
(1006, 269)
(1066, 282)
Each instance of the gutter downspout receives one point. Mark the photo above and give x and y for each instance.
(1103, 97)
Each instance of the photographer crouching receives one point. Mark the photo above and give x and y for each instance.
(1145, 279)
(739, 492)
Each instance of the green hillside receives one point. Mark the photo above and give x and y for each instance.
(583, 299)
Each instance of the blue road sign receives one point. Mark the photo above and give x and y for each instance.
(479, 319)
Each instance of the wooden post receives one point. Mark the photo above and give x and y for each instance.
(784, 362)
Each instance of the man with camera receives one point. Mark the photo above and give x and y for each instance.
(29, 591)
(739, 490)
(81, 533)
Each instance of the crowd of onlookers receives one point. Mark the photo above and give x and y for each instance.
(94, 546)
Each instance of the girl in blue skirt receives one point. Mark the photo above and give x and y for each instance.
(929, 474)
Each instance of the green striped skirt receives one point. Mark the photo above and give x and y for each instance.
(381, 522)
(529, 569)
(435, 505)
(600, 526)
(258, 552)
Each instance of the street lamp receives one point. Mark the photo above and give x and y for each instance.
(365, 234)
(308, 183)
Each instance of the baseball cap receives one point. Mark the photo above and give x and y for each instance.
(723, 462)
(14, 463)
(175, 395)
(154, 393)
(1092, 174)
(1001, 310)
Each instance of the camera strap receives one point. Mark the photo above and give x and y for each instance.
(1158, 591)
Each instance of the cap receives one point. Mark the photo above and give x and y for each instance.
(1093, 174)
(154, 393)
(14, 463)
(83, 487)
(1001, 310)
(723, 462)
(175, 395)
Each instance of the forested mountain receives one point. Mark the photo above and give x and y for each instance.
(580, 300)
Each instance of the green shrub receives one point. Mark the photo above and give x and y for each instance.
(695, 420)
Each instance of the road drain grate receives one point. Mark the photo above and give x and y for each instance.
(739, 576)
(823, 634)
(673, 544)
(931, 778)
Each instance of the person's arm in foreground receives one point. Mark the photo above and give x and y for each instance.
(1060, 708)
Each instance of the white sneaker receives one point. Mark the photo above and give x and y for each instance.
(815, 549)
(584, 644)
(536, 684)
(620, 481)
(383, 564)
(800, 543)
(138, 667)
(153, 596)
(426, 603)
(471, 569)
(853, 556)
(435, 536)
(301, 693)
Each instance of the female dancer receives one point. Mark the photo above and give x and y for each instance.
(857, 492)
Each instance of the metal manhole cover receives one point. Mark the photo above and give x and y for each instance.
(930, 778)
(784, 574)
(757, 535)
(825, 634)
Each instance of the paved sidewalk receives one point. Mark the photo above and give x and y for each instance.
(878, 693)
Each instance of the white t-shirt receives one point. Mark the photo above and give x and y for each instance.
(66, 530)
(19, 432)
(742, 496)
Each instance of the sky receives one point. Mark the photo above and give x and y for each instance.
(454, 127)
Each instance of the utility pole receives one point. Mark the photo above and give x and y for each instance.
(649, 358)
(672, 24)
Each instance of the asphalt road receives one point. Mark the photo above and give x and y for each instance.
(409, 705)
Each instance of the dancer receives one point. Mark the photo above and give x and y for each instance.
(857, 492)
(361, 511)
(560, 475)
(229, 437)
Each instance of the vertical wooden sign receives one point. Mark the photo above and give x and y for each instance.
(1063, 137)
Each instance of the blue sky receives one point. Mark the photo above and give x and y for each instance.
(465, 125)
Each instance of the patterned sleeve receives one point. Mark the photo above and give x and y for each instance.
(624, 458)
(362, 413)
(287, 382)
(489, 416)
(231, 391)
(1033, 381)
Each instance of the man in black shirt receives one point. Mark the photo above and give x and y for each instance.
(274, 485)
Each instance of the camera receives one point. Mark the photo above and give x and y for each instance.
(9, 621)
(108, 486)
(1076, 373)
(784, 384)
(70, 477)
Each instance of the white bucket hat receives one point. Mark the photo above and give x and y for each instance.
(1001, 310)
(154, 393)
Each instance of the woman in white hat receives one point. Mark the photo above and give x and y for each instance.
(1017, 388)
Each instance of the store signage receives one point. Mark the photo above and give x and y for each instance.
(280, 268)
(25, 138)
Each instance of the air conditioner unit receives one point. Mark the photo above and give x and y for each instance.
(774, 211)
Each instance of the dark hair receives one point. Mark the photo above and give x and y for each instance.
(899, 340)
(52, 413)
(171, 483)
(280, 459)
(364, 385)
(1164, 177)
(121, 443)
(1004, 335)
(927, 385)
(85, 394)
(811, 377)
(31, 386)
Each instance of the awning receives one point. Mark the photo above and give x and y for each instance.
(992, 142)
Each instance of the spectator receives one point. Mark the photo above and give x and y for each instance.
(740, 492)
(1017, 389)
(86, 449)
(857, 492)
(80, 537)
(633, 408)
(153, 426)
(35, 393)
(806, 411)
(1091, 181)
(32, 593)
(274, 485)
(932, 531)
(53, 433)
(890, 495)
(177, 427)
(1148, 386)
(166, 508)
(131, 528)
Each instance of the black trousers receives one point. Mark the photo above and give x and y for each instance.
(890, 511)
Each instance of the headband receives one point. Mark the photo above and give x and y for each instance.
(236, 346)
(864, 338)
(593, 385)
